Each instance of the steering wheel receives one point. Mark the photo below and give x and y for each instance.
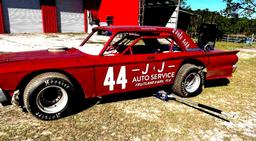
(111, 50)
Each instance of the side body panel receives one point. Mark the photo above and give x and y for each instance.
(141, 71)
(73, 63)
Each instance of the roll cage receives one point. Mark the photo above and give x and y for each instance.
(127, 45)
(129, 36)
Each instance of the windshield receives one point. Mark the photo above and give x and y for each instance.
(95, 43)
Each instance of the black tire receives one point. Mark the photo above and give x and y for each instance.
(48, 96)
(184, 75)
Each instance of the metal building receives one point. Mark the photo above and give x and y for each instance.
(42, 16)
(50, 16)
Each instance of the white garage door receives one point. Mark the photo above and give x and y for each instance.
(70, 15)
(22, 16)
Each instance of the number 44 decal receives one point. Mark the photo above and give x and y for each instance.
(121, 79)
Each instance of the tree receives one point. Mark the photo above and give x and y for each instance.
(226, 23)
(184, 5)
(240, 7)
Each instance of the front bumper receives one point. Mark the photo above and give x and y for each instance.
(3, 97)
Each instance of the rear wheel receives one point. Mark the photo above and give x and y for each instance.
(48, 96)
(189, 81)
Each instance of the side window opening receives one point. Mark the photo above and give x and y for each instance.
(146, 45)
(154, 46)
(169, 45)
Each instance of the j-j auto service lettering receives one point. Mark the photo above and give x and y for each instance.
(151, 79)
(143, 79)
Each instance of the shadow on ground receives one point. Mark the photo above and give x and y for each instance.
(87, 103)
(216, 82)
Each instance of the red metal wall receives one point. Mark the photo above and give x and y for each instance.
(85, 17)
(124, 12)
(1, 18)
(49, 15)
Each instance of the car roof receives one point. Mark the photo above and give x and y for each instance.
(134, 28)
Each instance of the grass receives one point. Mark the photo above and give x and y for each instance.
(233, 46)
(148, 118)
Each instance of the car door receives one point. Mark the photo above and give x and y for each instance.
(138, 67)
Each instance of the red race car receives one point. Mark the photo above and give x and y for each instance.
(110, 60)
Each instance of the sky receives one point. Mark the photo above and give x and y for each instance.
(212, 5)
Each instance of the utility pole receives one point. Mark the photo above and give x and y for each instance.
(178, 11)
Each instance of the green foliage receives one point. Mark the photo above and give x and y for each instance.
(237, 18)
(225, 24)
(242, 7)
(183, 4)
(233, 46)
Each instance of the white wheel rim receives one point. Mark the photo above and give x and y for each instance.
(192, 82)
(47, 102)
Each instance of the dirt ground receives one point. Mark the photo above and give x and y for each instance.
(140, 116)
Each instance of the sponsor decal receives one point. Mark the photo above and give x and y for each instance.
(144, 78)
(49, 117)
(50, 82)
(121, 79)
(181, 37)
(159, 77)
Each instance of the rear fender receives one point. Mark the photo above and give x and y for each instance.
(221, 64)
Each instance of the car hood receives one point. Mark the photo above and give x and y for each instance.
(38, 55)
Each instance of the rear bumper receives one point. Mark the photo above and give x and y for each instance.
(234, 67)
(3, 97)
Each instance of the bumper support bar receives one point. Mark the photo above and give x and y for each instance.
(201, 107)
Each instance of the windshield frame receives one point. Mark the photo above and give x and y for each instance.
(87, 38)
(105, 44)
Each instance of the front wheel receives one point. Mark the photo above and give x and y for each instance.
(189, 81)
(48, 96)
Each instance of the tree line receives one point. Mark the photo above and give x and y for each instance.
(237, 18)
